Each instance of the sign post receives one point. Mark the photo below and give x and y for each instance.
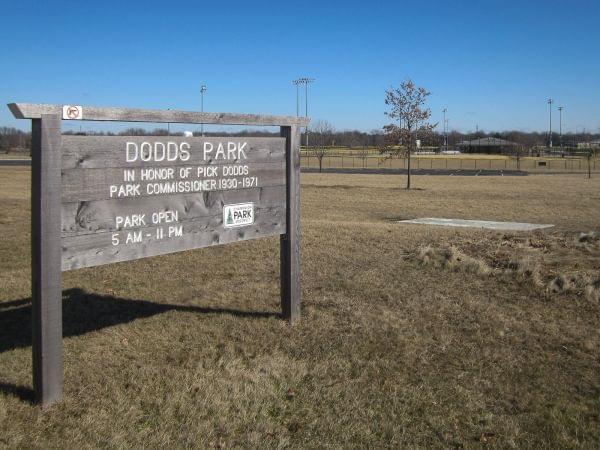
(290, 241)
(46, 292)
(104, 199)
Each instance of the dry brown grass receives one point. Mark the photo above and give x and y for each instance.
(188, 350)
(554, 263)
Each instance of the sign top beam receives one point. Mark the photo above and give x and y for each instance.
(35, 111)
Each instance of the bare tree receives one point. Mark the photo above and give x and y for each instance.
(407, 107)
(13, 139)
(133, 132)
(321, 131)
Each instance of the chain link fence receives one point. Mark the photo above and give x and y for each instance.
(527, 164)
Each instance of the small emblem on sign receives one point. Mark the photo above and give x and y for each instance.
(72, 112)
(238, 215)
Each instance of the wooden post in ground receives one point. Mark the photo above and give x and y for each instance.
(290, 241)
(46, 290)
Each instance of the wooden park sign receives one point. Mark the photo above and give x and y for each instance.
(103, 199)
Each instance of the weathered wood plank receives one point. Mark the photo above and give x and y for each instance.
(34, 111)
(95, 184)
(45, 260)
(96, 249)
(92, 152)
(290, 241)
(80, 218)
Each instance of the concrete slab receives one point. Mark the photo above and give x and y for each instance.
(510, 226)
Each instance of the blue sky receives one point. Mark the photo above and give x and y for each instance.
(491, 63)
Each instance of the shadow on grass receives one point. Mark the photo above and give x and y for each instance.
(22, 392)
(83, 313)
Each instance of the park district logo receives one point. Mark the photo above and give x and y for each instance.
(238, 215)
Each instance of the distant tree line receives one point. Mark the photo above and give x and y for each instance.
(13, 139)
(345, 138)
(429, 138)
(435, 138)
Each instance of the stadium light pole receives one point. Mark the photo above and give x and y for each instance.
(297, 83)
(305, 81)
(202, 91)
(560, 109)
(550, 101)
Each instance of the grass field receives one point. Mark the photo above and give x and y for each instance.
(411, 336)
(15, 155)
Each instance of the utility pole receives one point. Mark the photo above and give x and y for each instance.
(550, 101)
(445, 136)
(416, 133)
(202, 91)
(560, 109)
